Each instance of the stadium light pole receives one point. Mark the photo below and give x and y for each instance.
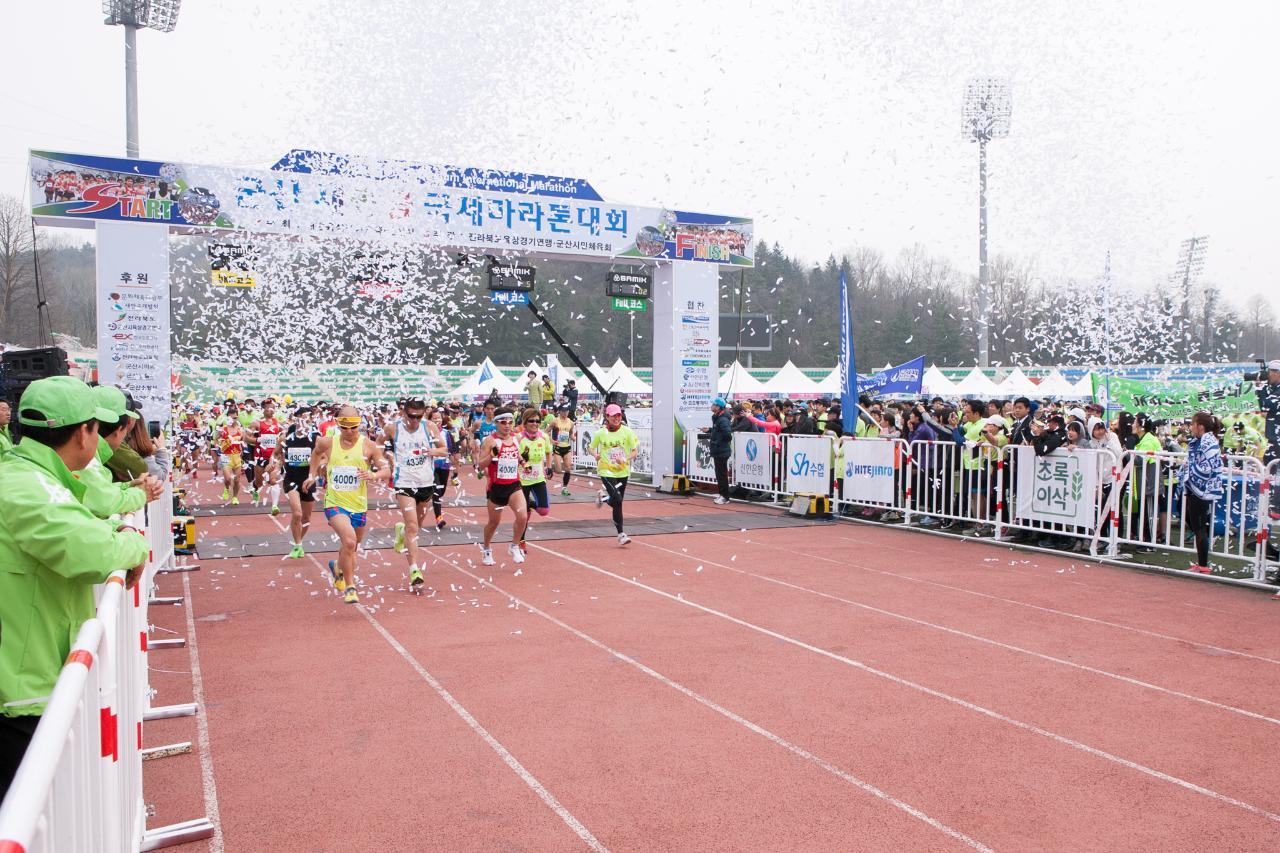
(1190, 265)
(158, 15)
(986, 111)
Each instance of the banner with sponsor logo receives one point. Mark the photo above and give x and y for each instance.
(904, 379)
(133, 313)
(231, 264)
(1175, 399)
(868, 471)
(1058, 488)
(752, 461)
(806, 464)
(701, 467)
(427, 204)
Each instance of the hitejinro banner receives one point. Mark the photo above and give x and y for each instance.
(1175, 398)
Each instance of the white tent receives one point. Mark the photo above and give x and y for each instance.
(585, 385)
(1055, 385)
(977, 384)
(486, 378)
(830, 385)
(935, 384)
(1083, 389)
(790, 381)
(1017, 384)
(738, 382)
(621, 379)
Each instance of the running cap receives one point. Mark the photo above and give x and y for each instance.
(59, 401)
(1273, 364)
(112, 399)
(994, 420)
(718, 402)
(1076, 413)
(613, 409)
(415, 403)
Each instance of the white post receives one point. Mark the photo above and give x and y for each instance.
(686, 324)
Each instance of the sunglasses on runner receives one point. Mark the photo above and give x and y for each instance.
(533, 421)
(348, 423)
(414, 416)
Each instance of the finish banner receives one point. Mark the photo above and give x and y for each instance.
(1174, 399)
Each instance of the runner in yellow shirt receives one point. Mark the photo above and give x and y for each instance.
(614, 448)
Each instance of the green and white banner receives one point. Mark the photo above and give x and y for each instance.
(1058, 488)
(1176, 399)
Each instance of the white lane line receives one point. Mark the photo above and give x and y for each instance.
(510, 760)
(1092, 619)
(725, 712)
(207, 782)
(929, 691)
(977, 638)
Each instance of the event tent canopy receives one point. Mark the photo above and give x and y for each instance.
(830, 385)
(486, 378)
(1083, 389)
(790, 381)
(622, 380)
(738, 382)
(1055, 385)
(935, 384)
(977, 384)
(1018, 384)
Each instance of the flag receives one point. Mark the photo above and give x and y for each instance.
(553, 370)
(848, 363)
(906, 378)
(486, 373)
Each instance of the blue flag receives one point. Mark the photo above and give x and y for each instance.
(485, 373)
(906, 378)
(848, 363)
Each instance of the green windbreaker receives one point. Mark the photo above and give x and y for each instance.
(102, 495)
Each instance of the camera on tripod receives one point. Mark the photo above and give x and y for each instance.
(1259, 375)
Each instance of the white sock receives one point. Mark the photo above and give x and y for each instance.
(275, 495)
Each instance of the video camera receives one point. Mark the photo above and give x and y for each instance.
(1259, 375)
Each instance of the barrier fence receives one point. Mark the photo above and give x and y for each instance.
(1088, 498)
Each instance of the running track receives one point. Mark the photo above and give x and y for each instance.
(835, 687)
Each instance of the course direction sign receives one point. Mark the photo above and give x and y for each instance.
(624, 303)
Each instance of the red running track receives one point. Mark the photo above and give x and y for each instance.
(841, 687)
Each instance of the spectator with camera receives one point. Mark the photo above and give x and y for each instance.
(1268, 388)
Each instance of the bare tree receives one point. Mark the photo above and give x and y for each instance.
(17, 272)
(1259, 318)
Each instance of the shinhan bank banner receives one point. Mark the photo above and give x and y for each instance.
(425, 205)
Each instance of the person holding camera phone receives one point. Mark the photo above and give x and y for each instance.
(1267, 386)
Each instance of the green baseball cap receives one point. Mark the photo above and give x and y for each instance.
(60, 401)
(112, 399)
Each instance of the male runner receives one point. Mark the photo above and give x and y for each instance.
(500, 453)
(614, 448)
(480, 430)
(444, 465)
(231, 445)
(561, 429)
(414, 445)
(349, 461)
(264, 435)
(294, 453)
(535, 457)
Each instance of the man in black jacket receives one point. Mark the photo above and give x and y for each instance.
(720, 443)
(1020, 432)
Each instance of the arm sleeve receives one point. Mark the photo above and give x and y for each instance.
(67, 540)
(103, 498)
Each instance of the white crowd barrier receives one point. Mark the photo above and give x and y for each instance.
(1087, 498)
(641, 424)
(79, 786)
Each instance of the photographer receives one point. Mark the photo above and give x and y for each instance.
(1268, 388)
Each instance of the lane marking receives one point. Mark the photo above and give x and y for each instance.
(1070, 615)
(725, 712)
(207, 782)
(978, 638)
(929, 691)
(508, 759)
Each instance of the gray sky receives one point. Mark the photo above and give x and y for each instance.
(1135, 124)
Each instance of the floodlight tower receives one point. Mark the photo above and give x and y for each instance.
(1190, 265)
(159, 15)
(986, 110)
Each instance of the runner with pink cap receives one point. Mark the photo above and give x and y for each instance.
(614, 448)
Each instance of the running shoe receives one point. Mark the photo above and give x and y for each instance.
(487, 557)
(296, 552)
(226, 494)
(275, 509)
(440, 523)
(601, 498)
(398, 545)
(721, 499)
(350, 596)
(564, 493)
(624, 539)
(338, 583)
(256, 496)
(235, 501)
(415, 576)
(517, 553)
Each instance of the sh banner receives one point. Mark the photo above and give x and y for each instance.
(1059, 488)
(807, 464)
(133, 313)
(868, 475)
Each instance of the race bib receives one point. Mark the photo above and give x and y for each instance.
(344, 478)
(415, 461)
(508, 467)
(298, 456)
(268, 441)
(617, 456)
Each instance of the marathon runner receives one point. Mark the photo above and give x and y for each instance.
(561, 429)
(349, 462)
(444, 465)
(218, 419)
(231, 445)
(614, 448)
(293, 453)
(414, 444)
(535, 457)
(482, 428)
(264, 435)
(500, 453)
(189, 440)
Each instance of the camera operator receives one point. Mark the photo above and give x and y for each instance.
(1268, 388)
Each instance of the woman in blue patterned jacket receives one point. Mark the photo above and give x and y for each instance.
(1201, 482)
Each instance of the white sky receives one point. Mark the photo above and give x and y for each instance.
(1136, 124)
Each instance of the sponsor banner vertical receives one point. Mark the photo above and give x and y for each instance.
(1058, 488)
(133, 312)
(752, 460)
(583, 430)
(701, 466)
(868, 471)
(807, 464)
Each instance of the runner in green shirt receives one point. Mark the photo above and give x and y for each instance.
(614, 448)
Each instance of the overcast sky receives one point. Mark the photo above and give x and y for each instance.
(1135, 124)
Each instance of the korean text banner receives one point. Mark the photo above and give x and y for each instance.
(904, 379)
(418, 206)
(1174, 399)
(1059, 488)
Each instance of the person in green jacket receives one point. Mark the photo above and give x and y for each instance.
(52, 550)
(102, 495)
(6, 444)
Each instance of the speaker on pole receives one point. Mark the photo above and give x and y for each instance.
(20, 367)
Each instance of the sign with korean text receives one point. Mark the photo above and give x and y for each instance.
(133, 313)
(509, 297)
(1175, 399)
(806, 464)
(1058, 488)
(623, 303)
(512, 277)
(752, 460)
(634, 284)
(701, 466)
(868, 471)
(428, 204)
(231, 264)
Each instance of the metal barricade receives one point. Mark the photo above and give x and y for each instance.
(953, 484)
(1069, 494)
(1268, 515)
(755, 464)
(873, 478)
(807, 465)
(697, 460)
